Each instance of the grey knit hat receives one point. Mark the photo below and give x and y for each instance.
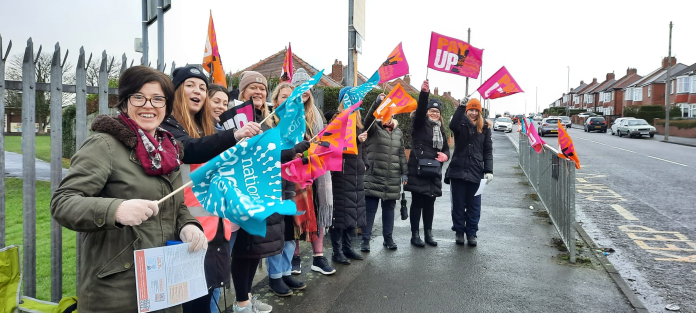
(300, 77)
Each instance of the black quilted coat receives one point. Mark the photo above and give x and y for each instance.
(473, 151)
(386, 159)
(422, 147)
(348, 190)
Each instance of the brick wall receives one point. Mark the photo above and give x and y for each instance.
(674, 131)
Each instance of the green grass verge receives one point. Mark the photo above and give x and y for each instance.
(43, 148)
(14, 235)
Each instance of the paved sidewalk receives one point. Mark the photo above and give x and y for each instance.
(515, 268)
(677, 140)
(14, 165)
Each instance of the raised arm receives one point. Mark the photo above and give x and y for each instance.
(456, 121)
(422, 108)
(370, 117)
(200, 150)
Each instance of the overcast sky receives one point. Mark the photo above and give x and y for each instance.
(535, 40)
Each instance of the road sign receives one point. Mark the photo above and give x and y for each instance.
(359, 17)
(358, 43)
(152, 9)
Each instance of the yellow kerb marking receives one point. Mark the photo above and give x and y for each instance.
(627, 215)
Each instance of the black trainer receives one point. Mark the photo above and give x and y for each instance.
(471, 240)
(338, 257)
(460, 238)
(293, 283)
(365, 246)
(321, 265)
(278, 286)
(296, 265)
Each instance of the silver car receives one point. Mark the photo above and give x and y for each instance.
(548, 125)
(615, 125)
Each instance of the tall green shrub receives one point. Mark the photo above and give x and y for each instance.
(650, 112)
(69, 114)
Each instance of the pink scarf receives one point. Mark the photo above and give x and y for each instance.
(157, 155)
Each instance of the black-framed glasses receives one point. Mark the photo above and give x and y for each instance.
(139, 100)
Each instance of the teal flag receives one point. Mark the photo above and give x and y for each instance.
(291, 113)
(357, 93)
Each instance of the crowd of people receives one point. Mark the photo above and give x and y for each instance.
(167, 128)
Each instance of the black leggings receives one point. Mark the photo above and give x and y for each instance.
(421, 202)
(243, 271)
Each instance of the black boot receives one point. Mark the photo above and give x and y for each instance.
(416, 240)
(459, 239)
(471, 240)
(389, 243)
(429, 238)
(365, 245)
(338, 256)
(293, 283)
(279, 287)
(348, 236)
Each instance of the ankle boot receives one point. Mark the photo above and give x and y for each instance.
(338, 256)
(348, 236)
(278, 287)
(459, 238)
(389, 243)
(429, 238)
(416, 240)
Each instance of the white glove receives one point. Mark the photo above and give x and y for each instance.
(191, 233)
(134, 212)
(488, 177)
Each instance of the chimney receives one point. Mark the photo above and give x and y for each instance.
(436, 92)
(582, 82)
(610, 76)
(594, 80)
(337, 71)
(407, 79)
(665, 59)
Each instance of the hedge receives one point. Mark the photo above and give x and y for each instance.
(650, 112)
(679, 123)
(331, 103)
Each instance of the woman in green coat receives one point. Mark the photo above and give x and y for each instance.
(111, 189)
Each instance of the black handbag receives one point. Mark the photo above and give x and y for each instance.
(429, 168)
(404, 210)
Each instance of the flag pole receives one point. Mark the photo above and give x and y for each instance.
(190, 183)
(373, 123)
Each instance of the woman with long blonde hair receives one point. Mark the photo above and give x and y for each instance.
(472, 161)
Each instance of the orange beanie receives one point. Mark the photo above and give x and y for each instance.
(474, 104)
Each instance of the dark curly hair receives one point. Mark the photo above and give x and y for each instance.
(135, 77)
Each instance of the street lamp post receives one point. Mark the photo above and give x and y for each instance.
(568, 93)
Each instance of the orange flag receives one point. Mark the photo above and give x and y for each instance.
(211, 57)
(351, 137)
(565, 145)
(398, 101)
(288, 69)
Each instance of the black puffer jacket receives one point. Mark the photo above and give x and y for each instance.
(199, 150)
(473, 151)
(386, 158)
(349, 190)
(422, 147)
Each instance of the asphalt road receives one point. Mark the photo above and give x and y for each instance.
(637, 196)
(515, 268)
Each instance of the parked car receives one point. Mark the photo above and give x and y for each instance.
(616, 123)
(636, 128)
(548, 126)
(503, 123)
(537, 119)
(516, 119)
(586, 114)
(596, 124)
(566, 121)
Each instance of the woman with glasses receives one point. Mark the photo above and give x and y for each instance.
(429, 150)
(192, 123)
(111, 189)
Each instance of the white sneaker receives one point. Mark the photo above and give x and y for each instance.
(259, 306)
(247, 309)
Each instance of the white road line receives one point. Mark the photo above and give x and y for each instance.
(650, 156)
(627, 215)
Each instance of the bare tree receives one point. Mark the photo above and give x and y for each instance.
(95, 65)
(43, 75)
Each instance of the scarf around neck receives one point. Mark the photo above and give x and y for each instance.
(159, 155)
(437, 134)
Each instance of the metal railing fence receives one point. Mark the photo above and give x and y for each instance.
(553, 179)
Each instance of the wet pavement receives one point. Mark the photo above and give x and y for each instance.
(515, 268)
(14, 165)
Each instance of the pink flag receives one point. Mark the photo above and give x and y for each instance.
(454, 56)
(395, 65)
(501, 84)
(534, 140)
(333, 137)
(305, 170)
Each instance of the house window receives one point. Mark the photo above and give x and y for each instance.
(628, 94)
(638, 94)
(671, 92)
(685, 110)
(683, 85)
(607, 97)
(649, 90)
(693, 84)
(576, 99)
(693, 110)
(612, 95)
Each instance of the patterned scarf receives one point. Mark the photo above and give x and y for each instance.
(437, 134)
(322, 184)
(160, 160)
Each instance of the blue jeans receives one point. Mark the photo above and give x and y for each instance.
(466, 209)
(215, 300)
(280, 265)
(371, 204)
